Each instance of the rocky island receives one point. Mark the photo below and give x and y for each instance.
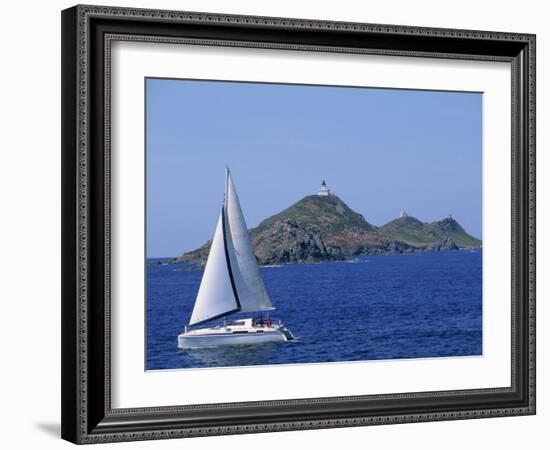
(323, 228)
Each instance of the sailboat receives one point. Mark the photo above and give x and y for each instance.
(231, 283)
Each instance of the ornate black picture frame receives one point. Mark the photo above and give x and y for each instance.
(87, 33)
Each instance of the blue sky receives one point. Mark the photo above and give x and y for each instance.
(379, 150)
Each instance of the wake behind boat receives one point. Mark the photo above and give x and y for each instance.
(231, 283)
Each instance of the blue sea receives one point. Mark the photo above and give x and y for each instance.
(417, 305)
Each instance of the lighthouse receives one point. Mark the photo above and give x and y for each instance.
(324, 191)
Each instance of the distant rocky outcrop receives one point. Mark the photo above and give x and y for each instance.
(323, 228)
(443, 234)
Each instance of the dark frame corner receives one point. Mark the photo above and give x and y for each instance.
(87, 416)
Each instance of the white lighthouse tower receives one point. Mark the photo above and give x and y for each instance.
(324, 191)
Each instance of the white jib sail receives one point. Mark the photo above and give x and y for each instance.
(248, 280)
(216, 296)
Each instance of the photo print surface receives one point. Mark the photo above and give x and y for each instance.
(297, 224)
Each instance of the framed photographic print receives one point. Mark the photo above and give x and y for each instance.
(267, 222)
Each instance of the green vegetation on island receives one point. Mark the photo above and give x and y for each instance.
(323, 228)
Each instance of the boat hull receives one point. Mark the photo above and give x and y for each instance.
(186, 340)
(242, 332)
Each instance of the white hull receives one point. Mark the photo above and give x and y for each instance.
(237, 333)
(186, 341)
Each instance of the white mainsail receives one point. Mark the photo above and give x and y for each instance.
(216, 296)
(248, 281)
